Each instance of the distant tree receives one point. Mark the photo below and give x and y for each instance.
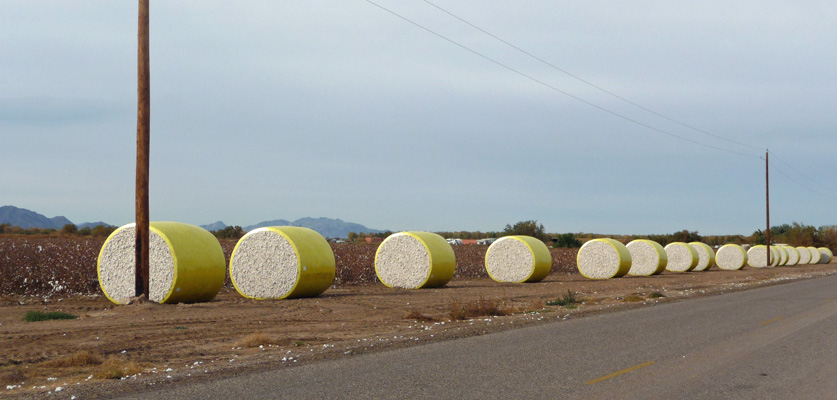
(567, 240)
(86, 231)
(352, 236)
(686, 236)
(528, 228)
(230, 232)
(102, 230)
(758, 237)
(69, 229)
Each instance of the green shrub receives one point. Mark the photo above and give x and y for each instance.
(566, 300)
(34, 316)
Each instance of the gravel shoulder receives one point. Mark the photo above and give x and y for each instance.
(157, 345)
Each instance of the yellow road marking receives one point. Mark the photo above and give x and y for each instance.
(772, 320)
(617, 373)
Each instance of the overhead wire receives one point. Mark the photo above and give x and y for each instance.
(554, 88)
(798, 172)
(557, 68)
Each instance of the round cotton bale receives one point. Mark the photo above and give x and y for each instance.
(647, 257)
(518, 259)
(757, 256)
(681, 257)
(815, 255)
(281, 262)
(826, 255)
(804, 255)
(414, 260)
(706, 256)
(603, 259)
(186, 264)
(781, 253)
(731, 257)
(793, 255)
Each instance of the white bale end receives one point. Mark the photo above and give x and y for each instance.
(282, 262)
(706, 256)
(647, 257)
(413, 260)
(815, 255)
(804, 255)
(681, 257)
(518, 259)
(603, 259)
(731, 257)
(826, 255)
(793, 255)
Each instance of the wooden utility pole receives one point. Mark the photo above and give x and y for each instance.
(767, 197)
(143, 147)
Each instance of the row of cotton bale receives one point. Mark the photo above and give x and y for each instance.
(608, 258)
(187, 263)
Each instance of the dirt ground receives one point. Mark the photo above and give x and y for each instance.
(113, 349)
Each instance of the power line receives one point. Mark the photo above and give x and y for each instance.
(542, 83)
(683, 124)
(800, 183)
(818, 184)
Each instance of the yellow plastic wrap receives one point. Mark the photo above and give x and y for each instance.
(315, 265)
(196, 256)
(442, 260)
(541, 259)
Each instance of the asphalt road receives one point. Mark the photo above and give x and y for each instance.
(776, 342)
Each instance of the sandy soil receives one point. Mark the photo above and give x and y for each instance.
(152, 344)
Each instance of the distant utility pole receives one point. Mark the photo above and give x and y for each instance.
(767, 196)
(143, 147)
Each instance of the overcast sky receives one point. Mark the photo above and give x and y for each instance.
(275, 109)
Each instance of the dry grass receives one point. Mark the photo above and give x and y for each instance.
(416, 315)
(117, 368)
(257, 339)
(479, 308)
(633, 298)
(78, 359)
(12, 376)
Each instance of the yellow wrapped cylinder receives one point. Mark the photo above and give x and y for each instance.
(731, 257)
(281, 262)
(647, 257)
(603, 259)
(518, 259)
(414, 260)
(682, 257)
(706, 256)
(825, 255)
(793, 255)
(186, 264)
